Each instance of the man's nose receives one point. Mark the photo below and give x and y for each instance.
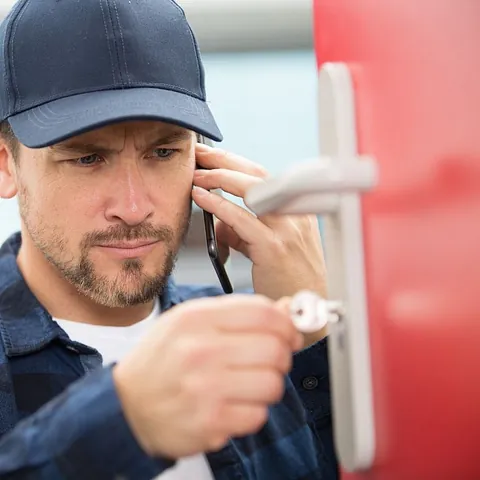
(130, 198)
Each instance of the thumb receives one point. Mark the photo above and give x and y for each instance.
(284, 305)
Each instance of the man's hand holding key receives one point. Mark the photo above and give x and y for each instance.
(207, 372)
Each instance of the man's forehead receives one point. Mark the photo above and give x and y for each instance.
(115, 135)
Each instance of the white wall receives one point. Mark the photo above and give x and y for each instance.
(223, 25)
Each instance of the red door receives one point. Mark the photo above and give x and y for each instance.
(416, 73)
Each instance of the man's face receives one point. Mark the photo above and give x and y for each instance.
(110, 208)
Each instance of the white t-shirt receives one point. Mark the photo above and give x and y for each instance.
(114, 343)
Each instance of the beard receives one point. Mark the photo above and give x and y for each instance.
(132, 285)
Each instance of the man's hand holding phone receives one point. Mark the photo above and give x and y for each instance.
(286, 251)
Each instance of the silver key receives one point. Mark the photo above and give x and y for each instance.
(310, 312)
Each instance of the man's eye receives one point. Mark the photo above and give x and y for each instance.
(87, 160)
(164, 152)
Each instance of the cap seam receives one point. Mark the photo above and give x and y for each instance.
(6, 55)
(195, 46)
(123, 42)
(17, 98)
(112, 66)
(200, 71)
(93, 90)
(115, 43)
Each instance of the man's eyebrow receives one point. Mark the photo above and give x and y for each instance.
(172, 138)
(82, 147)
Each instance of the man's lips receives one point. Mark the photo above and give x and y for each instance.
(129, 245)
(129, 249)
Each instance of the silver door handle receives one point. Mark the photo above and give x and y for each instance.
(332, 186)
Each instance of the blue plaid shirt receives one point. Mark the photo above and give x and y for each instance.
(60, 416)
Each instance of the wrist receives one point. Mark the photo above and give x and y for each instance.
(128, 407)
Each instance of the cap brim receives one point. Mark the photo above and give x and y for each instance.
(67, 117)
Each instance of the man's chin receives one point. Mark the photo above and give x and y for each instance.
(132, 282)
(118, 297)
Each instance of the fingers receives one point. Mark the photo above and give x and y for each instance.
(210, 158)
(283, 304)
(237, 314)
(269, 321)
(227, 239)
(235, 175)
(238, 184)
(262, 386)
(257, 380)
(235, 183)
(240, 419)
(257, 351)
(281, 327)
(244, 224)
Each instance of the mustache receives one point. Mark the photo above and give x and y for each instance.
(145, 231)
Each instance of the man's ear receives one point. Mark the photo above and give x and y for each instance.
(8, 183)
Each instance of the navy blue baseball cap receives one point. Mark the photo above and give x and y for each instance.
(70, 66)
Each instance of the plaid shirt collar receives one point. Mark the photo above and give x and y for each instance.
(25, 326)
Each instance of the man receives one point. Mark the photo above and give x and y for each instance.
(108, 369)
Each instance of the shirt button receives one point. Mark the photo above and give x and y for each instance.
(310, 383)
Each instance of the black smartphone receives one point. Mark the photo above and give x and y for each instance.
(211, 239)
